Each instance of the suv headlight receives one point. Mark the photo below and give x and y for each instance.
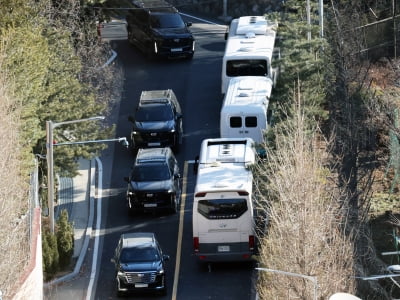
(121, 273)
(160, 272)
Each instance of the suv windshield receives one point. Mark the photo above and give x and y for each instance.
(148, 113)
(138, 254)
(151, 172)
(166, 21)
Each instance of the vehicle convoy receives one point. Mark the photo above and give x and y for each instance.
(157, 29)
(157, 121)
(249, 49)
(245, 112)
(223, 213)
(155, 182)
(139, 264)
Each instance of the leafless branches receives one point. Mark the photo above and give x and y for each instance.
(14, 235)
(306, 233)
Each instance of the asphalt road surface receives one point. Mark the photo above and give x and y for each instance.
(196, 83)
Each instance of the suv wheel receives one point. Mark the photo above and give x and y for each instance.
(175, 205)
(163, 292)
(133, 211)
(130, 36)
(119, 293)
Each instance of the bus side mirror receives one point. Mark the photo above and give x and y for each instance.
(196, 164)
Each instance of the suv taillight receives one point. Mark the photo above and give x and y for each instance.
(252, 242)
(196, 244)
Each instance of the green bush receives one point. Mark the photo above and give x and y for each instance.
(65, 239)
(50, 254)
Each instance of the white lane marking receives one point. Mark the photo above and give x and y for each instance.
(180, 232)
(97, 231)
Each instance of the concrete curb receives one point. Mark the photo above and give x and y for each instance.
(88, 231)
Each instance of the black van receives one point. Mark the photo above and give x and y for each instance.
(157, 29)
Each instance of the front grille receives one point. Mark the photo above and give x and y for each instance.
(154, 137)
(185, 43)
(140, 277)
(177, 43)
(150, 197)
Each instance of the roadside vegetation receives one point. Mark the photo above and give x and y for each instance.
(50, 69)
(329, 183)
(335, 133)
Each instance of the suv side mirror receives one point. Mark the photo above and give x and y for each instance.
(131, 119)
(113, 260)
(166, 257)
(126, 179)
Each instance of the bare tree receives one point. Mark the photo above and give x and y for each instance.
(14, 235)
(305, 235)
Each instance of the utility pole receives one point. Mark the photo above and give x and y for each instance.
(50, 173)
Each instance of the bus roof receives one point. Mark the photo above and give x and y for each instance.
(224, 165)
(227, 150)
(224, 178)
(248, 91)
(251, 36)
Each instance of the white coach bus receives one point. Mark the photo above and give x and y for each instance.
(249, 49)
(223, 213)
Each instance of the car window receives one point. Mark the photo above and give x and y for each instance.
(138, 254)
(148, 113)
(166, 21)
(151, 172)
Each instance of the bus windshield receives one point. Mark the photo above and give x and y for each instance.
(222, 208)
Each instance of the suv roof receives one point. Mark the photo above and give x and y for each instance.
(155, 5)
(137, 238)
(146, 155)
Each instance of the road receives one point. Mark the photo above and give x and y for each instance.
(197, 86)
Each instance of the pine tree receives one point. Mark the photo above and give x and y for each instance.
(50, 254)
(65, 239)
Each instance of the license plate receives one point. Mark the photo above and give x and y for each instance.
(141, 285)
(150, 205)
(154, 144)
(223, 248)
(176, 49)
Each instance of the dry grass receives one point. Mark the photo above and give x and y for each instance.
(305, 233)
(14, 235)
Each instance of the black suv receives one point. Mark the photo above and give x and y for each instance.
(157, 29)
(157, 121)
(139, 264)
(155, 182)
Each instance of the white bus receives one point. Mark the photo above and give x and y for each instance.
(223, 216)
(249, 49)
(245, 112)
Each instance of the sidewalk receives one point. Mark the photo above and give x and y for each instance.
(73, 195)
(76, 196)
